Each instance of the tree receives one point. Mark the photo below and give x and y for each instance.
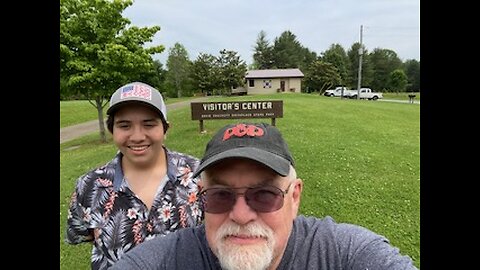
(412, 70)
(321, 76)
(178, 75)
(385, 62)
(287, 51)
(232, 70)
(354, 59)
(263, 53)
(204, 73)
(397, 81)
(337, 56)
(308, 57)
(154, 76)
(99, 52)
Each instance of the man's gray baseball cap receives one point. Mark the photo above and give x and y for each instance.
(138, 92)
(260, 142)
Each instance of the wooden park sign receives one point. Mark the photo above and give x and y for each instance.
(236, 110)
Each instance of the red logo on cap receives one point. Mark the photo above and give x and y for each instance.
(241, 130)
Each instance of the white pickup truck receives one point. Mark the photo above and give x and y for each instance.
(365, 93)
(337, 92)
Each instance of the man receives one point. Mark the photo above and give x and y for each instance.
(251, 200)
(146, 190)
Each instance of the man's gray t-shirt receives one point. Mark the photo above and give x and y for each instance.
(313, 244)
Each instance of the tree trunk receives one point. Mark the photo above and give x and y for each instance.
(101, 122)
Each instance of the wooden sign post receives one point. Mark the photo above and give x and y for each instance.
(236, 110)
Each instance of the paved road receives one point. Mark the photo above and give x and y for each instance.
(400, 101)
(75, 131)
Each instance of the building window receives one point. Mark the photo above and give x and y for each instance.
(251, 83)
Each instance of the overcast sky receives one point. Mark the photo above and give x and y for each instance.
(208, 26)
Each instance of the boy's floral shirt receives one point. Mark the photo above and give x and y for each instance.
(102, 202)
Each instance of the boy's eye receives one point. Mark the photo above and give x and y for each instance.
(150, 124)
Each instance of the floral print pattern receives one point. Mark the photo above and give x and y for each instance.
(104, 210)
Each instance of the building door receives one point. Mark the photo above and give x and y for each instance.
(282, 86)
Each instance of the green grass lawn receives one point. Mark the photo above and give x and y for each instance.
(78, 111)
(359, 160)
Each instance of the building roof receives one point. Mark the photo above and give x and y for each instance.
(274, 73)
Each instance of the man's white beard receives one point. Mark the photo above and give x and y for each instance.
(252, 257)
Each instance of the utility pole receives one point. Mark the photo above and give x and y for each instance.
(360, 52)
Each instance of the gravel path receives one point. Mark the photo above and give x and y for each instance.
(75, 131)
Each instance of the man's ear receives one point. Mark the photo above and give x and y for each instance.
(296, 196)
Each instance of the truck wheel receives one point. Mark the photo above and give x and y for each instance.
(375, 98)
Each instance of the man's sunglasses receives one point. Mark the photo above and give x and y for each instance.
(260, 198)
